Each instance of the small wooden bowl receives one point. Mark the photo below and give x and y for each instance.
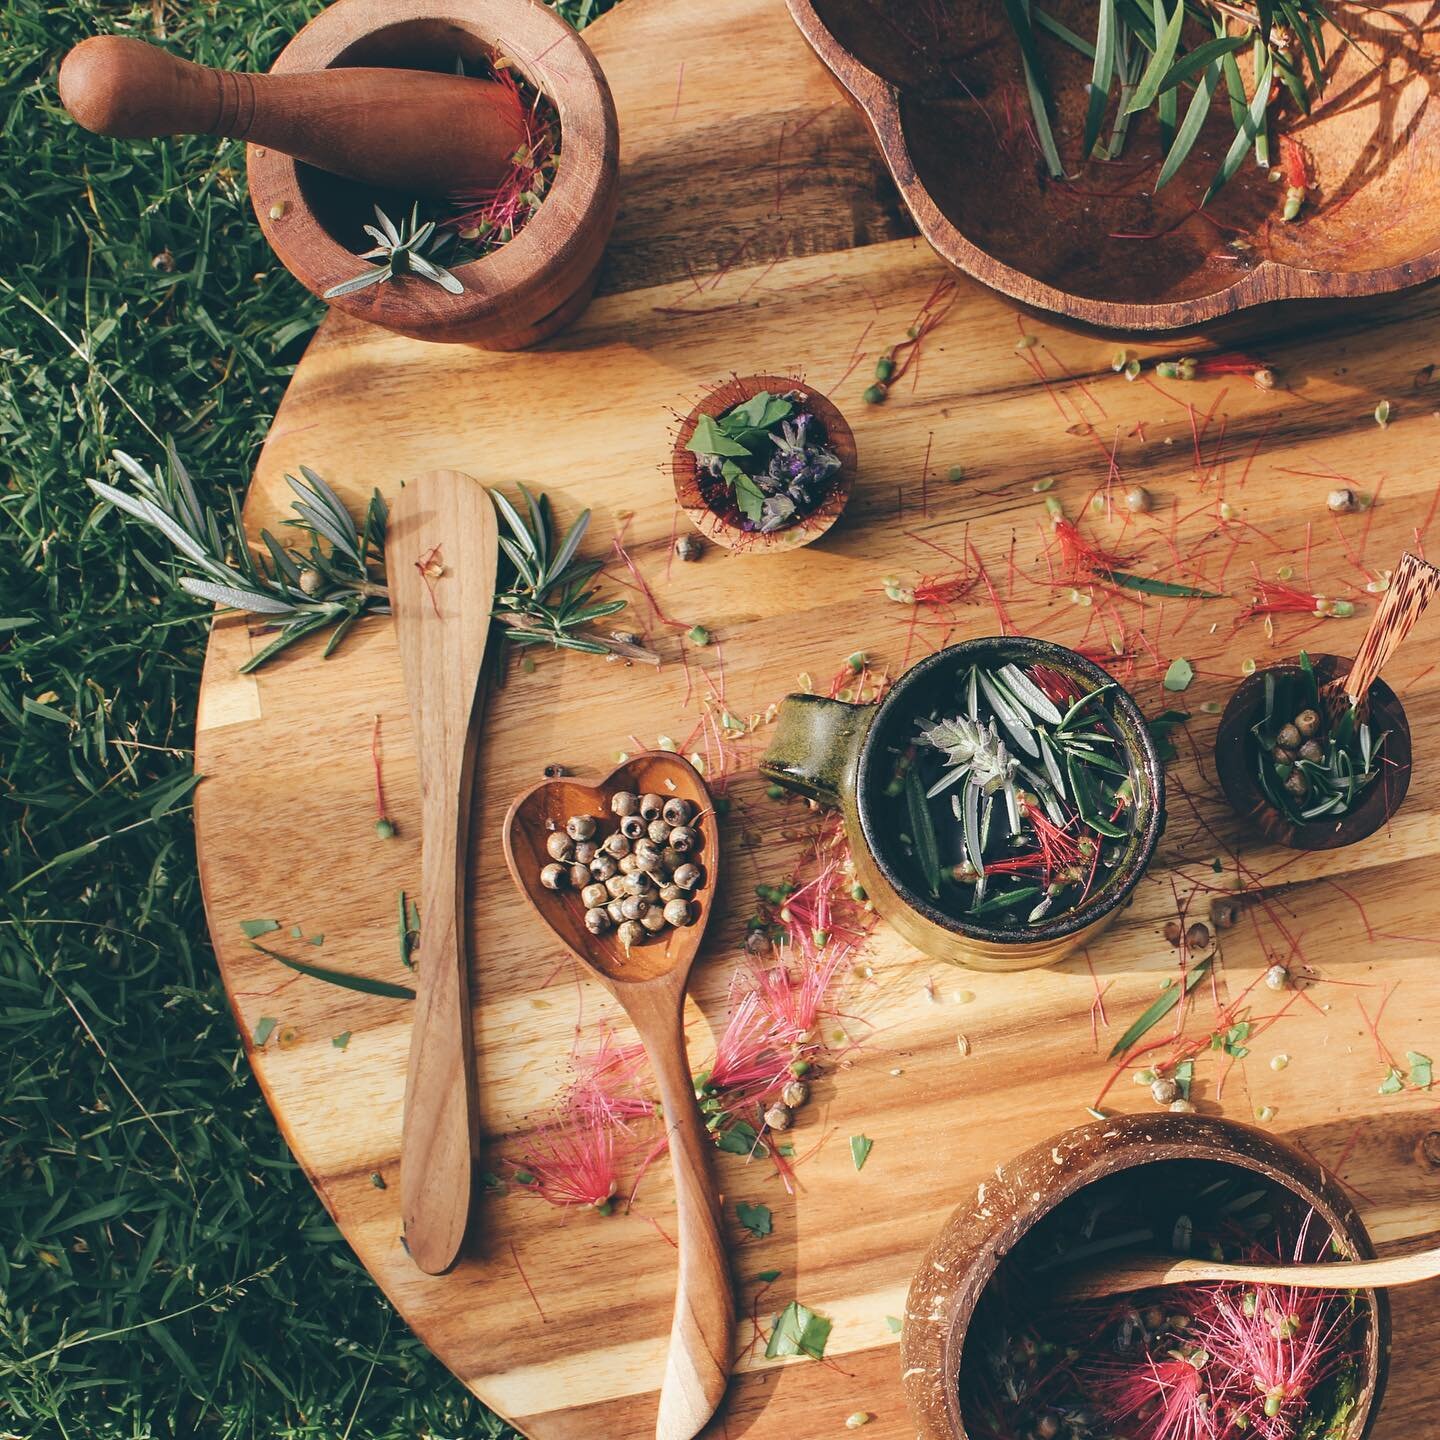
(1234, 763)
(955, 1271)
(531, 286)
(685, 467)
(946, 100)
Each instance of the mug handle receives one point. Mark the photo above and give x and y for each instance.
(817, 746)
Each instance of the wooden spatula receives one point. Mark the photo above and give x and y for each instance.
(1146, 1272)
(649, 982)
(414, 131)
(441, 552)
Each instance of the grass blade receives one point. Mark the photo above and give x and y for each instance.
(1019, 13)
(1249, 128)
(342, 978)
(1160, 1009)
(1148, 90)
(1101, 74)
(922, 830)
(1190, 126)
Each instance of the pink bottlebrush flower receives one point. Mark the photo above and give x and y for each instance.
(1157, 1399)
(1081, 559)
(749, 1062)
(608, 1081)
(573, 1160)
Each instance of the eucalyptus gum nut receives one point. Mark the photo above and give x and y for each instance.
(659, 832)
(586, 851)
(629, 864)
(594, 895)
(602, 867)
(677, 811)
(654, 919)
(677, 912)
(671, 859)
(633, 907)
(558, 845)
(671, 892)
(651, 806)
(597, 921)
(616, 886)
(580, 827)
(554, 877)
(615, 912)
(625, 802)
(579, 875)
(684, 838)
(617, 845)
(632, 827)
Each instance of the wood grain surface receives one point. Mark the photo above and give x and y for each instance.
(740, 164)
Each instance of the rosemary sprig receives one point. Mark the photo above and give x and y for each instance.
(1141, 51)
(408, 248)
(548, 599)
(330, 584)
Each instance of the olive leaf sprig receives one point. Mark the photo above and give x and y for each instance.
(548, 599)
(1145, 54)
(298, 592)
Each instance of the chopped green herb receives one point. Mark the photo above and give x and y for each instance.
(254, 929)
(341, 1041)
(798, 1331)
(1179, 675)
(892, 1323)
(378, 1180)
(264, 1029)
(739, 1139)
(755, 1218)
(860, 1148)
(1422, 1069)
(768, 1277)
(1393, 1083)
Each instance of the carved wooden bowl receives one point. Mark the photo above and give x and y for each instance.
(942, 87)
(961, 1262)
(722, 530)
(1235, 763)
(531, 286)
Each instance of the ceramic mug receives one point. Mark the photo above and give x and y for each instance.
(840, 754)
(955, 1271)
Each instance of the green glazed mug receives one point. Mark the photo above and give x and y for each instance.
(841, 755)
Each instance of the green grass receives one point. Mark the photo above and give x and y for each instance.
(165, 1270)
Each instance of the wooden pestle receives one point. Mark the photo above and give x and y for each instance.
(416, 131)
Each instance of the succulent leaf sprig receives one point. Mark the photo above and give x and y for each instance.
(1147, 54)
(297, 592)
(401, 250)
(548, 599)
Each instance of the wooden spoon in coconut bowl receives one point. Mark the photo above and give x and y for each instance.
(649, 980)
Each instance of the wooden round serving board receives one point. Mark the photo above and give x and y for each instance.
(756, 234)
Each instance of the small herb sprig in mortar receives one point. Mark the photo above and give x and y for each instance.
(1306, 770)
(401, 250)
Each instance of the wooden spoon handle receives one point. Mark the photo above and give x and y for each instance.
(1144, 1272)
(389, 128)
(702, 1334)
(442, 552)
(1411, 587)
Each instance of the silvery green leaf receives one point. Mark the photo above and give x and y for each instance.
(438, 273)
(971, 824)
(152, 514)
(1039, 912)
(358, 282)
(1012, 804)
(250, 600)
(949, 778)
(1365, 746)
(377, 237)
(1052, 764)
(972, 698)
(511, 516)
(1009, 715)
(387, 225)
(194, 511)
(571, 543)
(1029, 694)
(986, 815)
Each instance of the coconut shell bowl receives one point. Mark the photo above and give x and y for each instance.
(725, 528)
(1140, 1157)
(1236, 759)
(526, 289)
(943, 90)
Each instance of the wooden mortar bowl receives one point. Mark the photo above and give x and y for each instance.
(949, 112)
(685, 467)
(1234, 763)
(531, 286)
(955, 1270)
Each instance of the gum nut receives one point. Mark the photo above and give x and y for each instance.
(1288, 736)
(1181, 1107)
(617, 845)
(631, 932)
(554, 877)
(637, 882)
(1311, 750)
(597, 921)
(579, 875)
(654, 919)
(1197, 937)
(677, 912)
(580, 827)
(1224, 913)
(632, 907)
(1173, 932)
(671, 859)
(1341, 501)
(795, 1094)
(1307, 722)
(757, 942)
(684, 838)
(1282, 756)
(648, 855)
(602, 867)
(558, 845)
(659, 832)
(1296, 783)
(687, 877)
(615, 886)
(651, 806)
(624, 802)
(1164, 1090)
(1277, 977)
(613, 910)
(586, 851)
(632, 827)
(778, 1117)
(671, 892)
(629, 864)
(677, 811)
(594, 895)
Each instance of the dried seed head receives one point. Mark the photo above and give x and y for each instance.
(648, 855)
(586, 851)
(757, 942)
(778, 1117)
(677, 911)
(638, 882)
(1342, 501)
(633, 907)
(1265, 378)
(1277, 977)
(1224, 913)
(632, 827)
(630, 933)
(1307, 722)
(1181, 1107)
(612, 909)
(616, 844)
(1311, 750)
(1197, 937)
(558, 845)
(671, 891)
(580, 827)
(1288, 736)
(629, 864)
(687, 876)
(1139, 501)
(671, 859)
(684, 838)
(659, 832)
(650, 806)
(597, 920)
(311, 581)
(1164, 1090)
(1297, 783)
(677, 811)
(689, 547)
(554, 877)
(654, 919)
(624, 802)
(615, 887)
(594, 896)
(579, 875)
(1283, 756)
(603, 866)
(795, 1094)
(1173, 933)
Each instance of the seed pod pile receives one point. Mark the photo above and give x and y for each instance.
(637, 879)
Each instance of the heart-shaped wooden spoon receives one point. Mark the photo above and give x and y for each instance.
(649, 982)
(442, 550)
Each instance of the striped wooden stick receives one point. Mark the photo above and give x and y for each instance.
(1411, 587)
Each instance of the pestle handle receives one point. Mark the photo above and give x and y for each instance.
(396, 129)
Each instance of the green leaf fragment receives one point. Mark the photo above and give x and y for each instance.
(1150, 586)
(264, 1029)
(1179, 674)
(341, 1041)
(253, 929)
(1393, 1083)
(798, 1331)
(1422, 1069)
(892, 1323)
(860, 1148)
(344, 979)
(768, 1277)
(757, 1219)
